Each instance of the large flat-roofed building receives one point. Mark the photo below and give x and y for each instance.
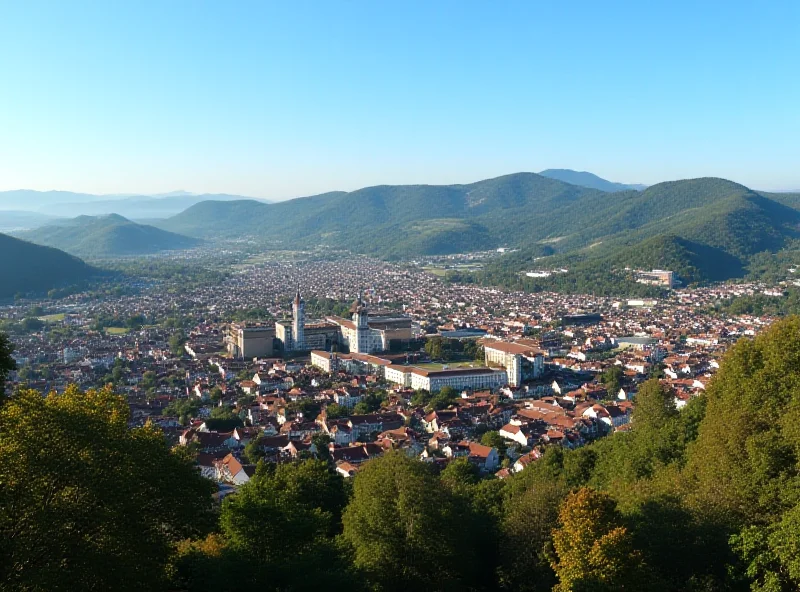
(353, 363)
(366, 333)
(247, 342)
(656, 277)
(315, 336)
(436, 380)
(521, 362)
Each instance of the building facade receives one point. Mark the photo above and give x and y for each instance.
(361, 334)
(245, 342)
(521, 362)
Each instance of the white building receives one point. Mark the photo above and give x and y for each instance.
(435, 380)
(298, 322)
(521, 362)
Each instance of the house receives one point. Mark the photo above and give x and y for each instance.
(230, 470)
(346, 469)
(526, 459)
(485, 458)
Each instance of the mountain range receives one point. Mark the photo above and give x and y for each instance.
(538, 215)
(106, 236)
(26, 267)
(68, 204)
(589, 180)
(705, 229)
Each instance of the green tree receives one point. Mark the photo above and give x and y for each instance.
(294, 507)
(32, 324)
(7, 363)
(744, 464)
(495, 440)
(334, 411)
(149, 380)
(91, 494)
(612, 380)
(397, 505)
(223, 419)
(444, 398)
(435, 347)
(176, 341)
(772, 553)
(526, 537)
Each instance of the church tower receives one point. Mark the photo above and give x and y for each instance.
(298, 321)
(361, 320)
(360, 315)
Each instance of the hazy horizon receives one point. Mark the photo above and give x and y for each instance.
(277, 101)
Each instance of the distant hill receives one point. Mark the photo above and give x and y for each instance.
(11, 220)
(389, 214)
(590, 180)
(69, 204)
(26, 267)
(106, 236)
(705, 228)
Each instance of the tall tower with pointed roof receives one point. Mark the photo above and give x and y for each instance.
(298, 321)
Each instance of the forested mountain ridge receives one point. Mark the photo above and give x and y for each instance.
(106, 236)
(26, 267)
(538, 215)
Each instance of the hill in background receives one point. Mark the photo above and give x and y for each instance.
(590, 180)
(107, 236)
(69, 204)
(26, 267)
(704, 228)
(11, 220)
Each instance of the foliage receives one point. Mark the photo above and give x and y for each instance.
(761, 304)
(223, 419)
(495, 440)
(25, 267)
(183, 409)
(397, 503)
(80, 491)
(612, 380)
(277, 533)
(106, 236)
(7, 363)
(593, 549)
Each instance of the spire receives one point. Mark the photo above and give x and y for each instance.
(297, 298)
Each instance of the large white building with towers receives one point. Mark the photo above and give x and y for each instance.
(362, 333)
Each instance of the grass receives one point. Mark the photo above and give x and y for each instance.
(116, 330)
(53, 318)
(436, 271)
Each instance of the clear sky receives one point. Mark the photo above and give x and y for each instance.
(277, 100)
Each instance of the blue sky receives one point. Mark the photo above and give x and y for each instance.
(284, 99)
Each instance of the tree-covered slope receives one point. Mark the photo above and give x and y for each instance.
(26, 267)
(704, 229)
(107, 236)
(718, 220)
(341, 217)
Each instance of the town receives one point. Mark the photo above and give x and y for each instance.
(348, 358)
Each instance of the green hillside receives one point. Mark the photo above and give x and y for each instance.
(107, 236)
(26, 267)
(705, 228)
(340, 218)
